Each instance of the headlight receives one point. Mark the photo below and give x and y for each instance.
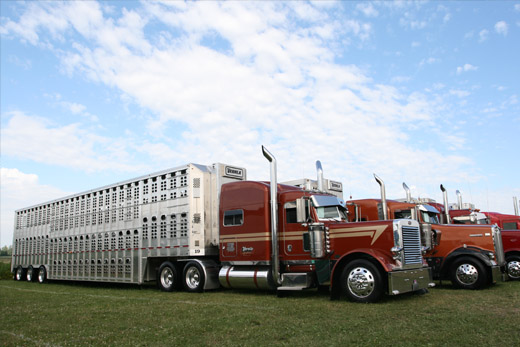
(396, 251)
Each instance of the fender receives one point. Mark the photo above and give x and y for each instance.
(383, 259)
(475, 252)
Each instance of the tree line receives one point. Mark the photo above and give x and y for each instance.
(6, 250)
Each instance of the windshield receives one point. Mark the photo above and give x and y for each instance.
(404, 214)
(336, 212)
(430, 217)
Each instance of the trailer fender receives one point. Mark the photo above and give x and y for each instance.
(379, 259)
(210, 269)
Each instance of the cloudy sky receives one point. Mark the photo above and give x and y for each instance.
(421, 92)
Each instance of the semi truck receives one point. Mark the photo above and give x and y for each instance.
(470, 256)
(198, 227)
(466, 213)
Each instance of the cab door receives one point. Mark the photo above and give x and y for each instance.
(292, 235)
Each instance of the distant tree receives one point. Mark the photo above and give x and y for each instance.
(6, 251)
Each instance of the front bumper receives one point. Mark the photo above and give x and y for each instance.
(405, 281)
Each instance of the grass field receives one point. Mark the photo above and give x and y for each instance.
(66, 313)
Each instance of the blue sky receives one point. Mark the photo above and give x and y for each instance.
(422, 92)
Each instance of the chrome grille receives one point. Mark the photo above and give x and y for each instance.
(411, 245)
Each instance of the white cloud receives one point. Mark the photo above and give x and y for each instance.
(517, 7)
(429, 61)
(501, 28)
(483, 35)
(459, 93)
(367, 9)
(465, 68)
(272, 83)
(19, 190)
(37, 139)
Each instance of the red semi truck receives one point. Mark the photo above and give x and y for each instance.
(510, 224)
(200, 227)
(469, 256)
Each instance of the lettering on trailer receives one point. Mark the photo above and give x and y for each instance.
(234, 172)
(337, 186)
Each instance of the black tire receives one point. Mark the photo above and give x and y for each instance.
(42, 274)
(167, 277)
(513, 267)
(468, 273)
(30, 274)
(193, 277)
(361, 281)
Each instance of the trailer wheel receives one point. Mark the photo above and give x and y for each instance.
(30, 274)
(42, 274)
(167, 277)
(361, 281)
(194, 279)
(468, 273)
(19, 274)
(513, 267)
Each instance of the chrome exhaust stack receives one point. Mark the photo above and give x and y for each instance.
(515, 202)
(319, 171)
(446, 207)
(459, 198)
(383, 196)
(275, 256)
(408, 194)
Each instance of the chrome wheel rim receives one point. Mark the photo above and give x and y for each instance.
(361, 282)
(167, 277)
(29, 274)
(193, 277)
(513, 269)
(467, 274)
(41, 275)
(19, 272)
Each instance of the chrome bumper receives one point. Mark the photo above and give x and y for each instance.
(405, 281)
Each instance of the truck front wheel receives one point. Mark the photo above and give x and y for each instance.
(513, 267)
(361, 281)
(193, 277)
(468, 273)
(167, 277)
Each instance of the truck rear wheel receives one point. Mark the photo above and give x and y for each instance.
(513, 267)
(468, 273)
(30, 274)
(167, 277)
(42, 274)
(19, 274)
(361, 281)
(193, 275)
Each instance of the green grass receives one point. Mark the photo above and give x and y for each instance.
(5, 270)
(65, 313)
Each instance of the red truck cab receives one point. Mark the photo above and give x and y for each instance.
(314, 245)
(510, 225)
(469, 256)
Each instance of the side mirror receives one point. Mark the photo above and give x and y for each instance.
(301, 210)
